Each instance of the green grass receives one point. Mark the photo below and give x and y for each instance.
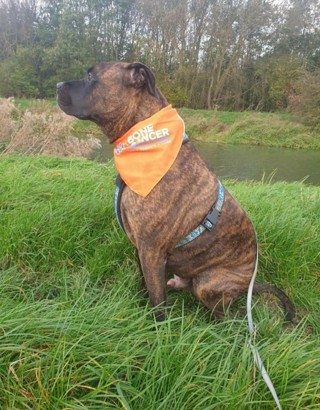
(251, 128)
(76, 333)
(274, 131)
(25, 103)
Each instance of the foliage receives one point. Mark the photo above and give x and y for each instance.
(278, 81)
(224, 55)
(18, 75)
(174, 93)
(307, 103)
(78, 334)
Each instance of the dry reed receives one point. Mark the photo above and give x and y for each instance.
(42, 132)
(8, 126)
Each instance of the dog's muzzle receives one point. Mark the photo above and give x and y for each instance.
(63, 96)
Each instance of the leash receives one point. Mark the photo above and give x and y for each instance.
(256, 355)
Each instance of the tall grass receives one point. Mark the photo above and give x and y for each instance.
(8, 127)
(40, 128)
(76, 333)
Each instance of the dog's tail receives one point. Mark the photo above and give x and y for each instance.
(287, 305)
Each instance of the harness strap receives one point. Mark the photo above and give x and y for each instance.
(120, 185)
(209, 221)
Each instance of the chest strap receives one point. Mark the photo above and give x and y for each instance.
(208, 223)
(120, 185)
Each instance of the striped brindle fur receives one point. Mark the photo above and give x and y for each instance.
(218, 265)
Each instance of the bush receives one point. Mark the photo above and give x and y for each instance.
(307, 104)
(174, 93)
(19, 76)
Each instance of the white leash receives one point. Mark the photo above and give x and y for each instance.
(256, 355)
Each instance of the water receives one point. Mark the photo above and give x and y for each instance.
(244, 162)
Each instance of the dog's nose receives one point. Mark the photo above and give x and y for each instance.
(59, 85)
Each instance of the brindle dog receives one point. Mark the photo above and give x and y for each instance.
(218, 265)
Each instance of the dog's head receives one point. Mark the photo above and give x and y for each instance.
(113, 95)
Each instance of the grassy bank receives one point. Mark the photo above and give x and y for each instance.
(75, 333)
(252, 128)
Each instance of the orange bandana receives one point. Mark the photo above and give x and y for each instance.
(145, 153)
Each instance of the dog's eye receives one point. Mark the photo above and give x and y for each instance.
(89, 76)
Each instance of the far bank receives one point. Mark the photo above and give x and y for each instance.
(250, 128)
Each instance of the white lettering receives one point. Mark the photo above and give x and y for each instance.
(166, 132)
(159, 133)
(147, 134)
(144, 138)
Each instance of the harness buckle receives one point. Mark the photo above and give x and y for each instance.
(211, 219)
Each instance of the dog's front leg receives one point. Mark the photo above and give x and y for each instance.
(152, 264)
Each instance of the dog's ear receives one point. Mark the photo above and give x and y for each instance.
(141, 76)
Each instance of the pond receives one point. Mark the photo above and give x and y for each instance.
(244, 162)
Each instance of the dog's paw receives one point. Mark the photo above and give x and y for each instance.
(171, 283)
(178, 283)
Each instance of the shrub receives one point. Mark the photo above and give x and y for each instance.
(307, 103)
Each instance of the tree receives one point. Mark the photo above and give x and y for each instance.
(18, 76)
(230, 54)
(307, 103)
(17, 19)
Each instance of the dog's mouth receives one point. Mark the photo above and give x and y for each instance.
(63, 97)
(71, 98)
(64, 101)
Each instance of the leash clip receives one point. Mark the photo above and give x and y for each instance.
(211, 219)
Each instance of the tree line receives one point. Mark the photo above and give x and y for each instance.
(224, 54)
